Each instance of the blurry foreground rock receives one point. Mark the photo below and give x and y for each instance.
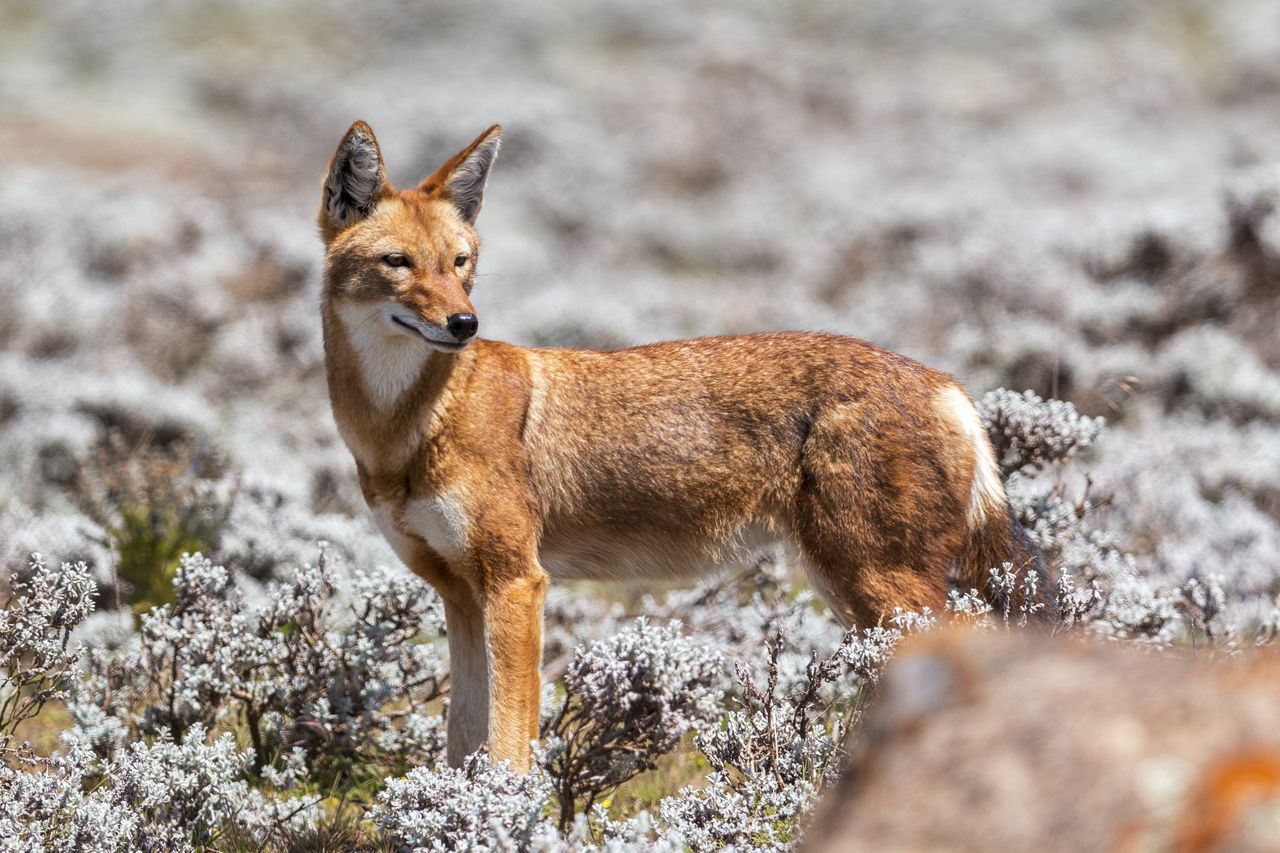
(992, 741)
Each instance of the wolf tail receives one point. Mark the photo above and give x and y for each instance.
(993, 536)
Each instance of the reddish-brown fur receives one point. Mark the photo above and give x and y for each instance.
(494, 467)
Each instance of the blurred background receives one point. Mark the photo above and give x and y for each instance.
(1076, 197)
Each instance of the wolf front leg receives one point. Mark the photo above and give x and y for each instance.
(468, 677)
(468, 661)
(513, 629)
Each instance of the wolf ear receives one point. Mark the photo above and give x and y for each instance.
(357, 178)
(461, 180)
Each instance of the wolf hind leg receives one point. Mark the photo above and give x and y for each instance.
(876, 518)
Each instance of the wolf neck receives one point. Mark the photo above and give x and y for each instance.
(389, 392)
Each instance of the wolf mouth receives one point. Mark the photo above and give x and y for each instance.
(444, 345)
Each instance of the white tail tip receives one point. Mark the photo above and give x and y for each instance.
(987, 493)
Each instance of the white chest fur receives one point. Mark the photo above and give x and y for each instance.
(439, 520)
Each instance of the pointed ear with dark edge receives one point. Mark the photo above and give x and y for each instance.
(462, 179)
(357, 178)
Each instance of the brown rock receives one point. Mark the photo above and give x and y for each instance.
(1005, 741)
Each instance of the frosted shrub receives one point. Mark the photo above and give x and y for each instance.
(1201, 602)
(1031, 437)
(480, 806)
(628, 700)
(772, 756)
(1018, 593)
(194, 785)
(60, 537)
(59, 809)
(725, 814)
(777, 735)
(306, 670)
(335, 673)
(1030, 433)
(146, 797)
(1134, 609)
(788, 730)
(270, 533)
(970, 607)
(42, 608)
(1075, 604)
(192, 653)
(596, 832)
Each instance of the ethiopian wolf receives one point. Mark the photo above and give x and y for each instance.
(492, 468)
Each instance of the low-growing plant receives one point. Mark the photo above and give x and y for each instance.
(628, 700)
(156, 503)
(479, 806)
(1030, 434)
(341, 680)
(773, 754)
(42, 608)
(164, 796)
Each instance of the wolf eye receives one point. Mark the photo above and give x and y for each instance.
(395, 259)
(460, 261)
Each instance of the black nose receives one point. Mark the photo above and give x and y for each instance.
(462, 326)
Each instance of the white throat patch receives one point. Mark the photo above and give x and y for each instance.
(390, 361)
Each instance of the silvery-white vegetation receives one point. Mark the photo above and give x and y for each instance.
(229, 709)
(1073, 200)
(628, 700)
(476, 807)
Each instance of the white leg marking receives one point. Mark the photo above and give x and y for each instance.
(468, 681)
